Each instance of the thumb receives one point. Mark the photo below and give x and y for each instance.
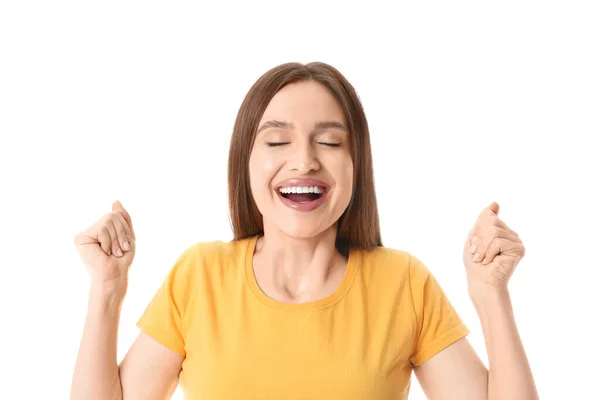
(494, 207)
(117, 205)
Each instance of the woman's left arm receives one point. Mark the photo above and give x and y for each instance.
(491, 254)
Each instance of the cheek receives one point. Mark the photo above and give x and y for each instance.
(350, 180)
(262, 170)
(345, 183)
(346, 173)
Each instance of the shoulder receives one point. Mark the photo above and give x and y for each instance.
(386, 258)
(205, 256)
(385, 254)
(393, 264)
(220, 251)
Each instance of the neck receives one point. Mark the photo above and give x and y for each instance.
(298, 264)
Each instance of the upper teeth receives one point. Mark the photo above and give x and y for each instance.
(301, 189)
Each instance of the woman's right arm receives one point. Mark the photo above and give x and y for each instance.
(96, 374)
(149, 370)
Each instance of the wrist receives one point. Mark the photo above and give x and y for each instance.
(113, 291)
(483, 295)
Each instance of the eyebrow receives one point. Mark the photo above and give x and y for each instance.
(318, 126)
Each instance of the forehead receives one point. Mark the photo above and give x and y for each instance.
(304, 102)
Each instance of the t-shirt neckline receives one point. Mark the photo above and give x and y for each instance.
(326, 301)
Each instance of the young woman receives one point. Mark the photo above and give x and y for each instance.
(305, 302)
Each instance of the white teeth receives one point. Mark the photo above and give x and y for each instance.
(301, 189)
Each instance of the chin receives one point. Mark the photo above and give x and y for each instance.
(301, 230)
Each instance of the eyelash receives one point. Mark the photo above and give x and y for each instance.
(276, 144)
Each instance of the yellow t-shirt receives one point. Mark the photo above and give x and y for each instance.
(361, 342)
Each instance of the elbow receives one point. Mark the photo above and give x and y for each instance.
(116, 389)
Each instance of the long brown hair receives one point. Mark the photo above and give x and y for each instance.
(358, 227)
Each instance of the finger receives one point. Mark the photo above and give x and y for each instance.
(488, 220)
(483, 219)
(480, 244)
(96, 234)
(104, 240)
(117, 206)
(114, 238)
(120, 236)
(502, 245)
(494, 208)
(491, 212)
(498, 222)
(125, 236)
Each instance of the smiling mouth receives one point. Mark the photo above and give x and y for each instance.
(302, 197)
(302, 194)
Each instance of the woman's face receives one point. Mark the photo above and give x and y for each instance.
(300, 165)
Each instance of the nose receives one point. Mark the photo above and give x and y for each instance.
(305, 160)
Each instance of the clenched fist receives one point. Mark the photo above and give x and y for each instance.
(107, 248)
(492, 251)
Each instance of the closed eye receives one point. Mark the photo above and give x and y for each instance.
(331, 144)
(275, 144)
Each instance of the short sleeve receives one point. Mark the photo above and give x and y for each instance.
(163, 318)
(438, 325)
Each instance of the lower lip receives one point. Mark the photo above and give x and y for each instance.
(308, 206)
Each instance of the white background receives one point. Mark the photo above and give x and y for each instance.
(468, 102)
